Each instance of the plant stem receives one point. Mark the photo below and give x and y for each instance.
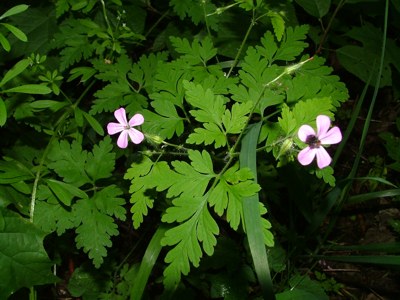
(156, 23)
(252, 23)
(323, 38)
(286, 71)
(106, 19)
(59, 123)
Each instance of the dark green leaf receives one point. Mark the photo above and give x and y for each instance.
(93, 123)
(3, 112)
(65, 192)
(23, 259)
(316, 8)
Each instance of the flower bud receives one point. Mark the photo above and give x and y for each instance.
(286, 146)
(154, 138)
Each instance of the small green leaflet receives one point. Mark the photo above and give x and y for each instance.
(77, 166)
(304, 112)
(50, 216)
(145, 176)
(254, 75)
(292, 44)
(228, 194)
(65, 192)
(195, 53)
(143, 72)
(68, 161)
(95, 223)
(198, 226)
(210, 110)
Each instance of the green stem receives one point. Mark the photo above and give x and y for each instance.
(205, 18)
(323, 38)
(59, 124)
(286, 71)
(156, 23)
(106, 19)
(252, 23)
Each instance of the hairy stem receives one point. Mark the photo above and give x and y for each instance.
(38, 175)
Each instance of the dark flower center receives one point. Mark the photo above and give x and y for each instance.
(313, 142)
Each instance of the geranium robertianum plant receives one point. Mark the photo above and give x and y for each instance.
(193, 162)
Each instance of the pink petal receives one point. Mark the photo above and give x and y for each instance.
(113, 128)
(306, 156)
(323, 158)
(304, 132)
(323, 124)
(123, 139)
(120, 115)
(135, 135)
(137, 119)
(333, 136)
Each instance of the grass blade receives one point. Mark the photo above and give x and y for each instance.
(386, 260)
(393, 247)
(147, 264)
(373, 195)
(251, 214)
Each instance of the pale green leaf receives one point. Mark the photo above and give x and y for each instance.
(201, 162)
(30, 89)
(14, 10)
(186, 237)
(293, 43)
(278, 23)
(144, 176)
(16, 32)
(211, 133)
(17, 69)
(5, 43)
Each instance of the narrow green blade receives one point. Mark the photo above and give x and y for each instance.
(251, 214)
(147, 264)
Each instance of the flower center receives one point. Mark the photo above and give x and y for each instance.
(127, 127)
(313, 142)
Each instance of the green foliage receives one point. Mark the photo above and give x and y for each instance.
(205, 103)
(218, 121)
(315, 8)
(302, 287)
(11, 28)
(328, 284)
(92, 215)
(94, 223)
(392, 143)
(362, 60)
(21, 254)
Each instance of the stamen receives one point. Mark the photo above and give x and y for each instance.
(313, 142)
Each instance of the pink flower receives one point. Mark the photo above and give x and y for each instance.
(324, 136)
(126, 128)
